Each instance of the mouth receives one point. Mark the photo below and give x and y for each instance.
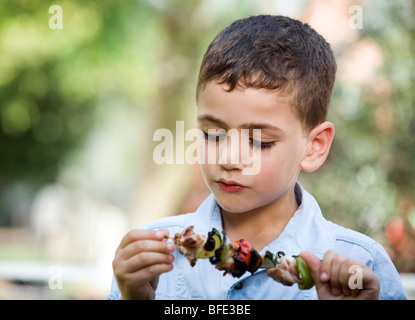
(230, 185)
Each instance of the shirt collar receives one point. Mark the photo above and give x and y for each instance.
(306, 230)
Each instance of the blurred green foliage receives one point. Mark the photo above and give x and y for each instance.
(50, 82)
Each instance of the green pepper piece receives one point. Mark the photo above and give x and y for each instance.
(304, 273)
(213, 242)
(220, 253)
(269, 260)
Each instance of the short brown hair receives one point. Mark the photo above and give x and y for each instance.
(275, 53)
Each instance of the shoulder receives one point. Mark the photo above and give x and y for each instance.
(365, 249)
(357, 245)
(346, 237)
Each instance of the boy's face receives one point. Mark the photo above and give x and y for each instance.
(281, 146)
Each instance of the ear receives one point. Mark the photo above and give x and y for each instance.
(319, 143)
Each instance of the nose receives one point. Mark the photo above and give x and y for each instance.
(229, 151)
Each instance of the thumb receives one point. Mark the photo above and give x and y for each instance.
(314, 264)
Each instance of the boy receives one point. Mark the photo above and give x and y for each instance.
(275, 74)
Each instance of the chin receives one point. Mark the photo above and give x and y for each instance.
(233, 205)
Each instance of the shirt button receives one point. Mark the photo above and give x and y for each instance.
(239, 286)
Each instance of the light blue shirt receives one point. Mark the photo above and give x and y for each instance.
(306, 230)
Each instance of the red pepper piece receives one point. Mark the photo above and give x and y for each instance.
(243, 254)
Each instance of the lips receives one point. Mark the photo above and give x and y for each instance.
(230, 185)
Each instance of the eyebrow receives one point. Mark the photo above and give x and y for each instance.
(208, 117)
(251, 125)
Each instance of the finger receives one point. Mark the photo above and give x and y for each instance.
(321, 278)
(139, 234)
(152, 271)
(141, 277)
(326, 265)
(144, 260)
(314, 264)
(163, 233)
(370, 288)
(338, 274)
(140, 246)
(344, 277)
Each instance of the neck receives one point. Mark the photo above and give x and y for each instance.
(262, 225)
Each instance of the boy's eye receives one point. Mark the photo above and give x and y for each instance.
(262, 145)
(256, 144)
(213, 137)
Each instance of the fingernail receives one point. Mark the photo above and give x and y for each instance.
(159, 235)
(170, 246)
(324, 277)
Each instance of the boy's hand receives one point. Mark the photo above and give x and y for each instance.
(139, 260)
(331, 276)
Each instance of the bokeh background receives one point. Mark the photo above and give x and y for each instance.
(79, 106)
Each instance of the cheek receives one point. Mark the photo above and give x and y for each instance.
(204, 169)
(270, 172)
(279, 166)
(207, 152)
(207, 172)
